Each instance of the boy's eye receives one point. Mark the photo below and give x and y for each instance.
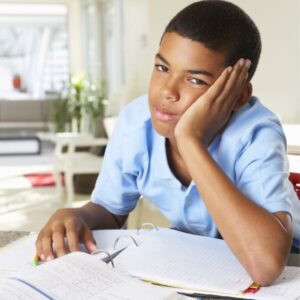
(161, 68)
(197, 81)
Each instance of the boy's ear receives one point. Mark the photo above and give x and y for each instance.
(245, 96)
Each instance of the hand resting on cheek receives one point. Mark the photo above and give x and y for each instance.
(211, 111)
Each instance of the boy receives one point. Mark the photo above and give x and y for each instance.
(199, 146)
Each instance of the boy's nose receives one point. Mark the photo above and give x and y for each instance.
(169, 91)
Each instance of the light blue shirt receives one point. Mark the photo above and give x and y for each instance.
(251, 151)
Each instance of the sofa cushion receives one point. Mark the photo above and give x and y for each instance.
(21, 111)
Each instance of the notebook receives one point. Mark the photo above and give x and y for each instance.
(19, 254)
(199, 265)
(79, 276)
(181, 261)
(185, 261)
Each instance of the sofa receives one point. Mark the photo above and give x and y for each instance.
(25, 116)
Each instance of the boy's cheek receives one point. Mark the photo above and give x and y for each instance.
(155, 86)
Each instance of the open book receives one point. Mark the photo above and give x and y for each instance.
(199, 265)
(79, 276)
(185, 262)
(19, 254)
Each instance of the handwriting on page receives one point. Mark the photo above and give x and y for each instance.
(174, 258)
(82, 276)
(69, 274)
(18, 255)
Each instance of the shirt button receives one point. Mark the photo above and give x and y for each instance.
(189, 202)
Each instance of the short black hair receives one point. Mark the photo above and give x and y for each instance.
(222, 27)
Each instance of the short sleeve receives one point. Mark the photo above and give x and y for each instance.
(115, 189)
(262, 171)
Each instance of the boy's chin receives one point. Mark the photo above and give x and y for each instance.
(163, 130)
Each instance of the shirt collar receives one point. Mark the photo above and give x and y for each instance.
(162, 168)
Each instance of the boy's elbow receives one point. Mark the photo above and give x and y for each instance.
(265, 273)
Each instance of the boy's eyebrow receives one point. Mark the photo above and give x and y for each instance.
(159, 56)
(202, 72)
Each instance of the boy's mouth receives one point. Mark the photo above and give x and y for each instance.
(163, 114)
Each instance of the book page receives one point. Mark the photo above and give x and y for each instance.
(82, 276)
(19, 254)
(183, 260)
(15, 290)
(286, 287)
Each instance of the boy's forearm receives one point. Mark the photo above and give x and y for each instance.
(248, 229)
(97, 217)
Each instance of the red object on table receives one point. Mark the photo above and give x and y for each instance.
(295, 179)
(42, 179)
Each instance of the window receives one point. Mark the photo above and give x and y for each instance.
(34, 57)
(104, 43)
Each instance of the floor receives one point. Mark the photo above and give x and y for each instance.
(24, 208)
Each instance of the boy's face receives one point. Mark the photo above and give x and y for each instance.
(183, 71)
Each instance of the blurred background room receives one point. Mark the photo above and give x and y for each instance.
(67, 67)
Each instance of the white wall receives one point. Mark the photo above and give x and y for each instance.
(277, 79)
(136, 32)
(76, 36)
(278, 76)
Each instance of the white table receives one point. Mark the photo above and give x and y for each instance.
(70, 162)
(292, 132)
(294, 162)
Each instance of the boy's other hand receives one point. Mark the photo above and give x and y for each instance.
(210, 113)
(65, 223)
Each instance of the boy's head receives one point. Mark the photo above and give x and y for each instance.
(197, 45)
(222, 27)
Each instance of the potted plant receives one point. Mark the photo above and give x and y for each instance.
(95, 107)
(60, 115)
(76, 90)
(87, 103)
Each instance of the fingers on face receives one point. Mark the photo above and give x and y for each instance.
(240, 72)
(235, 82)
(217, 88)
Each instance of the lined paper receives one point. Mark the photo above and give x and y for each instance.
(183, 260)
(82, 276)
